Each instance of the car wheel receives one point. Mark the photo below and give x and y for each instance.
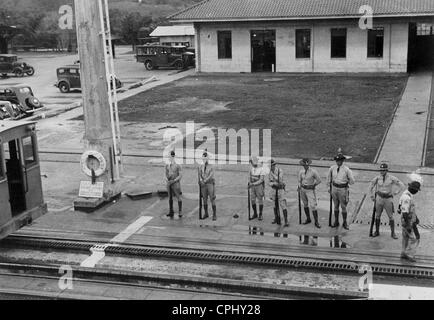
(179, 65)
(33, 103)
(31, 71)
(148, 65)
(64, 87)
(19, 73)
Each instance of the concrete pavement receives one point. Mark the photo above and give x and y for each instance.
(404, 143)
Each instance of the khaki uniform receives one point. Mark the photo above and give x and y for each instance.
(277, 177)
(207, 183)
(307, 181)
(383, 188)
(341, 178)
(407, 209)
(173, 171)
(257, 192)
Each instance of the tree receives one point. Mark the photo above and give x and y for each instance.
(131, 24)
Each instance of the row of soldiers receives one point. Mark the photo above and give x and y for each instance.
(339, 178)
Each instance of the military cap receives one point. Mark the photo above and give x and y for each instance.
(340, 157)
(415, 185)
(384, 166)
(305, 162)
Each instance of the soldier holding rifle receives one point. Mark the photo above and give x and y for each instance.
(381, 190)
(173, 180)
(207, 185)
(256, 187)
(339, 178)
(278, 187)
(308, 180)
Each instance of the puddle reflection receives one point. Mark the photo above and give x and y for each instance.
(315, 241)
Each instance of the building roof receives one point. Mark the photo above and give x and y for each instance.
(170, 31)
(239, 10)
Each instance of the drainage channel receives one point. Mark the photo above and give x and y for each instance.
(190, 254)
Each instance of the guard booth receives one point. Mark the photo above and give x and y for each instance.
(21, 199)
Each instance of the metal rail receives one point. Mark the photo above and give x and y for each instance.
(392, 268)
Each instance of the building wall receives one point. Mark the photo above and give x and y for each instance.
(178, 39)
(394, 52)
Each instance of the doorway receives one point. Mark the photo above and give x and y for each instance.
(263, 50)
(15, 176)
(420, 47)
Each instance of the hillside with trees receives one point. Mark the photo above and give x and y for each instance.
(37, 20)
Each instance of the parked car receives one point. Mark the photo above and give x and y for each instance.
(21, 96)
(68, 78)
(156, 56)
(9, 64)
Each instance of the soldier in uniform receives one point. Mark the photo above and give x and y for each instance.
(308, 179)
(409, 221)
(173, 178)
(207, 185)
(276, 183)
(381, 190)
(256, 187)
(339, 179)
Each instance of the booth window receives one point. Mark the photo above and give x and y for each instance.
(339, 43)
(224, 39)
(375, 43)
(302, 38)
(29, 151)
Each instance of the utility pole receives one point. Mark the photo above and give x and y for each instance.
(99, 158)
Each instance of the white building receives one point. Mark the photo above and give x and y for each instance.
(310, 35)
(178, 35)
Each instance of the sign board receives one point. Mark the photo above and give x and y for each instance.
(89, 190)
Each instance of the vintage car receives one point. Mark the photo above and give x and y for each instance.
(68, 78)
(21, 96)
(9, 64)
(9, 110)
(156, 56)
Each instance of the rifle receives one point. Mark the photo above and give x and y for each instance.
(374, 211)
(299, 206)
(248, 199)
(276, 200)
(331, 198)
(200, 195)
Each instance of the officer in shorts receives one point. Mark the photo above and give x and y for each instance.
(256, 187)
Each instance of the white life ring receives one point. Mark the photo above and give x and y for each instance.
(101, 160)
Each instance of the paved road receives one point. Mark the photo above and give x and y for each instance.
(42, 83)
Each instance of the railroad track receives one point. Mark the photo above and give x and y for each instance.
(104, 284)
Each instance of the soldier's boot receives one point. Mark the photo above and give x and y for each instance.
(261, 209)
(336, 224)
(392, 229)
(315, 217)
(306, 211)
(285, 216)
(180, 209)
(344, 217)
(377, 228)
(255, 213)
(171, 213)
(275, 216)
(214, 213)
(205, 208)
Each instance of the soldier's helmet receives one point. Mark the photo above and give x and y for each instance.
(273, 162)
